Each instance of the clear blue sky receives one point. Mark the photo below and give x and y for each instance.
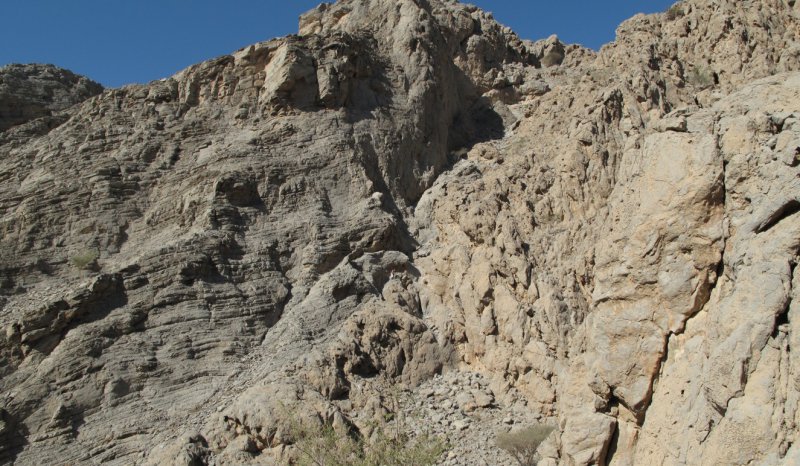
(117, 42)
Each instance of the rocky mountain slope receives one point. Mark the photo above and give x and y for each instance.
(29, 92)
(406, 194)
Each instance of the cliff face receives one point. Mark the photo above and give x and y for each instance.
(29, 92)
(606, 240)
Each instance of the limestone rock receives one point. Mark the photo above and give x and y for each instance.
(407, 210)
(33, 91)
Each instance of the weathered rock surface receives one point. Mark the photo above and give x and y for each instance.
(404, 190)
(28, 92)
(578, 252)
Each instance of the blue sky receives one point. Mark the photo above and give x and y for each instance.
(117, 42)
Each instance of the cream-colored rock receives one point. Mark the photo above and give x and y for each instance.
(620, 209)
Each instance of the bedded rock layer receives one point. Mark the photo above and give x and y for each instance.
(406, 189)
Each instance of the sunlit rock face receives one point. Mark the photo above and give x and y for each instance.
(407, 195)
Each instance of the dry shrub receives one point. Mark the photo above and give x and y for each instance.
(701, 77)
(329, 445)
(674, 12)
(523, 443)
(85, 260)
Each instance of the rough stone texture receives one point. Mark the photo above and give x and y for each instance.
(28, 92)
(570, 257)
(600, 241)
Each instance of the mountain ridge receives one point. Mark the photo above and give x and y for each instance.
(404, 190)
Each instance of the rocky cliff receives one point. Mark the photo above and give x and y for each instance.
(28, 92)
(408, 194)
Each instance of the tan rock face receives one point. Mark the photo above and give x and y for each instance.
(407, 188)
(578, 250)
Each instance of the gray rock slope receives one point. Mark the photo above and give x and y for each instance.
(28, 92)
(404, 189)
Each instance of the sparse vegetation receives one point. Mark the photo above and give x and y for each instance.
(85, 260)
(701, 76)
(523, 443)
(385, 441)
(327, 445)
(600, 75)
(674, 12)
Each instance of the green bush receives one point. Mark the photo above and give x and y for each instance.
(85, 260)
(523, 443)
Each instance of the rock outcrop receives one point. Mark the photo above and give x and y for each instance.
(28, 92)
(403, 190)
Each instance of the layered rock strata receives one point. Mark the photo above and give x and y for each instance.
(406, 189)
(29, 92)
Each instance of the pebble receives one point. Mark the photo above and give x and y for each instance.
(461, 408)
